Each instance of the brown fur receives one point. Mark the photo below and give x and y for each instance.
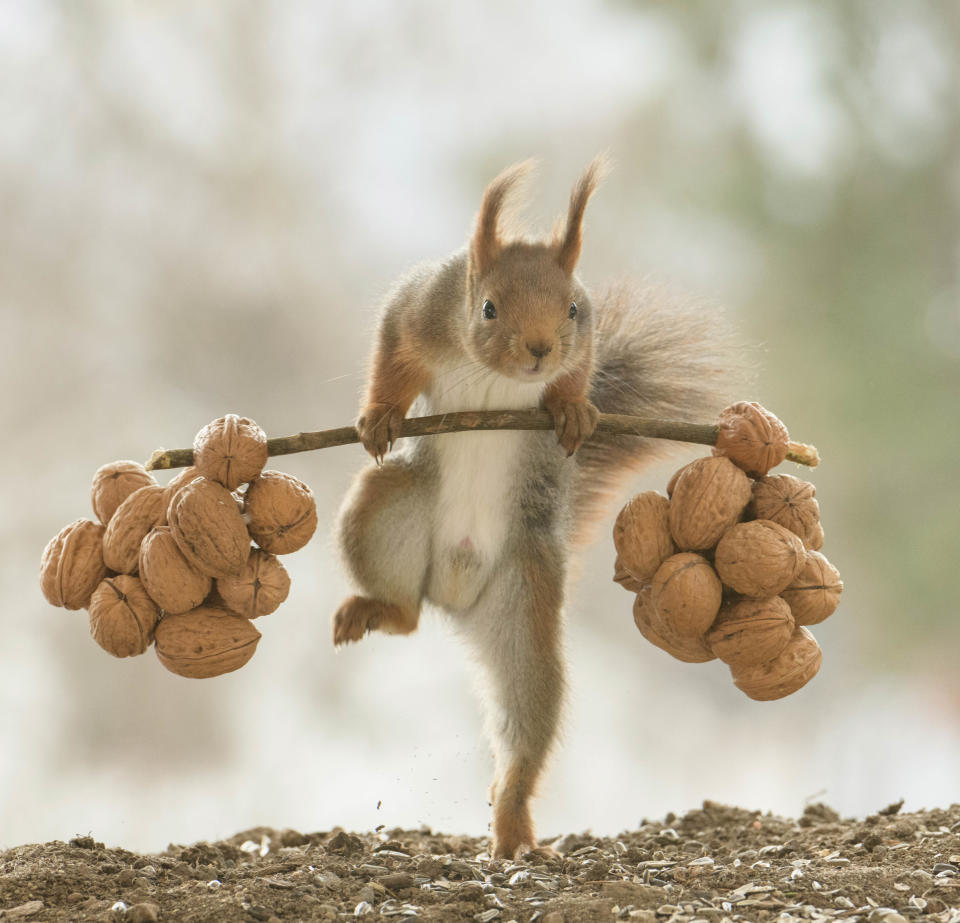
(572, 240)
(358, 615)
(485, 246)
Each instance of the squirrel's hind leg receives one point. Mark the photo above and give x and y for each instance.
(516, 633)
(383, 534)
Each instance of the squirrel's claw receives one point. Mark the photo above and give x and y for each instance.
(575, 422)
(379, 428)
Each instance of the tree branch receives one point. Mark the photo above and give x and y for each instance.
(612, 424)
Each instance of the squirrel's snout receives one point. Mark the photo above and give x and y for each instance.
(540, 349)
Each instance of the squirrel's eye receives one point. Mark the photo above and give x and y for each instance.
(489, 311)
(573, 310)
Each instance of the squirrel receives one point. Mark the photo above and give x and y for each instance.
(482, 524)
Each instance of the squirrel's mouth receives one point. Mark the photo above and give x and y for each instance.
(532, 370)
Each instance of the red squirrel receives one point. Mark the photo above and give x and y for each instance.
(481, 525)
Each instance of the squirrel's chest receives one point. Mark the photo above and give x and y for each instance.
(479, 477)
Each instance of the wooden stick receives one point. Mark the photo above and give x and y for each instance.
(613, 424)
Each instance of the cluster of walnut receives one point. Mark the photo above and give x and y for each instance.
(175, 565)
(729, 566)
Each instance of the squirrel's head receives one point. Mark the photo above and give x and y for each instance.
(528, 317)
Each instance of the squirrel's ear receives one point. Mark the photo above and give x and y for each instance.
(486, 244)
(572, 238)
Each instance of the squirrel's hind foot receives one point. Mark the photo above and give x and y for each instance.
(357, 615)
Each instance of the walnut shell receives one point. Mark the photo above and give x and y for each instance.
(209, 528)
(641, 535)
(686, 595)
(672, 483)
(688, 649)
(791, 669)
(815, 541)
(142, 511)
(788, 501)
(122, 616)
(205, 642)
(172, 582)
(71, 566)
(231, 451)
(751, 631)
(113, 483)
(622, 576)
(758, 558)
(815, 592)
(708, 498)
(181, 479)
(751, 437)
(281, 512)
(260, 587)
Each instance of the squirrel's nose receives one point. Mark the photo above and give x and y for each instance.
(539, 350)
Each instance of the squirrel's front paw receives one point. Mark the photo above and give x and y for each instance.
(379, 427)
(575, 421)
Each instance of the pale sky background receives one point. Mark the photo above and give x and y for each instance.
(201, 207)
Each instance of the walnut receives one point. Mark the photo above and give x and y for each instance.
(258, 589)
(788, 501)
(182, 478)
(686, 595)
(205, 642)
(72, 564)
(751, 631)
(672, 483)
(641, 535)
(709, 496)
(281, 512)
(815, 592)
(815, 541)
(791, 669)
(142, 511)
(758, 558)
(622, 576)
(209, 529)
(113, 483)
(122, 616)
(172, 582)
(691, 649)
(751, 437)
(231, 451)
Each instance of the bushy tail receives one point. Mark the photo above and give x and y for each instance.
(656, 357)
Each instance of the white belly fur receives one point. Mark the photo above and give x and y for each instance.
(475, 503)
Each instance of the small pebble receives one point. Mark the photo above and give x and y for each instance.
(397, 881)
(22, 911)
(146, 912)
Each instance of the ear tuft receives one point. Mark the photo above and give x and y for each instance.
(485, 245)
(572, 238)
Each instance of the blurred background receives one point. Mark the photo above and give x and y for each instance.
(202, 206)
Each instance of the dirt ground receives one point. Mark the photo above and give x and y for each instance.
(712, 864)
